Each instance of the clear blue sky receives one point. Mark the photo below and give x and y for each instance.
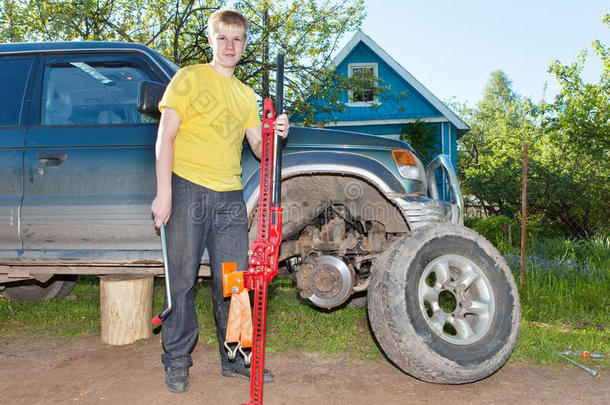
(452, 46)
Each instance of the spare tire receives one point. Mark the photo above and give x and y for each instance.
(443, 305)
(58, 286)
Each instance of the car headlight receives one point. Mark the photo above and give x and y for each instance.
(409, 166)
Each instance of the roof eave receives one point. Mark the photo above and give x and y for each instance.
(360, 36)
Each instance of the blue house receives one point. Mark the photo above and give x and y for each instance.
(388, 113)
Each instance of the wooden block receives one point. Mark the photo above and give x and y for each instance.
(125, 308)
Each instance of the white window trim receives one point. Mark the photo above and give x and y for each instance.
(350, 93)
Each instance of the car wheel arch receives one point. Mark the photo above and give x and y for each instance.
(306, 193)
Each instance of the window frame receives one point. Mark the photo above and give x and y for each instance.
(23, 106)
(60, 58)
(350, 93)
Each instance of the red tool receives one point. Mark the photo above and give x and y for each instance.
(263, 265)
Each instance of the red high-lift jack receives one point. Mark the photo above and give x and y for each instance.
(263, 265)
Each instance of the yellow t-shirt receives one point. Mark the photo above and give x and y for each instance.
(215, 112)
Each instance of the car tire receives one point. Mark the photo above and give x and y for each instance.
(443, 305)
(57, 287)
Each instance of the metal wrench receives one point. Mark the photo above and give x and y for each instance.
(587, 369)
(168, 301)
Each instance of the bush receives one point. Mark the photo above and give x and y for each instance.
(505, 232)
(593, 253)
(502, 231)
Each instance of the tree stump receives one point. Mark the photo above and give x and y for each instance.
(125, 308)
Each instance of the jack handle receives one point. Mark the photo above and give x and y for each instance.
(163, 314)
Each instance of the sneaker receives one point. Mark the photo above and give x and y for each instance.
(241, 371)
(177, 379)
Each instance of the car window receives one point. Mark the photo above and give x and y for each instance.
(13, 78)
(89, 93)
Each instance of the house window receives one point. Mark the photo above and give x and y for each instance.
(363, 84)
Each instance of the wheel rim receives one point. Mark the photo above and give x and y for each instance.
(456, 299)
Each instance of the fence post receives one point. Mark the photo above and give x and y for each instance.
(523, 215)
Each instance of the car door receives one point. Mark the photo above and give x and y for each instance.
(89, 174)
(15, 72)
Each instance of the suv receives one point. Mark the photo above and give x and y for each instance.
(361, 213)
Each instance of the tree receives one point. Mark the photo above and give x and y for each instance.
(491, 151)
(569, 182)
(308, 34)
(174, 28)
(583, 109)
(422, 138)
(578, 125)
(11, 15)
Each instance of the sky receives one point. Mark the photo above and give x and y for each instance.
(452, 46)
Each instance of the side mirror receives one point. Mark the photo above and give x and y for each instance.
(149, 95)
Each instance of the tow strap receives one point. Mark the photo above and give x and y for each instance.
(239, 324)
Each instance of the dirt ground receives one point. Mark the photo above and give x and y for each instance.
(40, 370)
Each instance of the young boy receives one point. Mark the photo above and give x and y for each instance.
(205, 113)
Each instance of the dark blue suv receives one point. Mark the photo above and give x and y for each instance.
(77, 132)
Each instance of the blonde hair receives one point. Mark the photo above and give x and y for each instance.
(225, 16)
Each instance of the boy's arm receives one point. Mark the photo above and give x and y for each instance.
(254, 135)
(164, 151)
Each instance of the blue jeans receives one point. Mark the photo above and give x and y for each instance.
(200, 218)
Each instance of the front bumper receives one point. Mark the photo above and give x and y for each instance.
(444, 203)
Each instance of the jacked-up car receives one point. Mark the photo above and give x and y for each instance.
(361, 213)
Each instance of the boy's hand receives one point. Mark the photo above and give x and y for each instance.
(161, 208)
(282, 126)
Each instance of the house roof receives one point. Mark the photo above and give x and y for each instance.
(360, 36)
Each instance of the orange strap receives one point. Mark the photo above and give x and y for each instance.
(239, 325)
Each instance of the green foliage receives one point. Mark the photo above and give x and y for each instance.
(422, 138)
(568, 151)
(490, 158)
(502, 231)
(327, 97)
(505, 232)
(578, 128)
(11, 15)
(564, 302)
(566, 283)
(583, 109)
(590, 254)
(174, 28)
(307, 33)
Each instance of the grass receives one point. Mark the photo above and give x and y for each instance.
(294, 324)
(565, 306)
(77, 315)
(565, 303)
